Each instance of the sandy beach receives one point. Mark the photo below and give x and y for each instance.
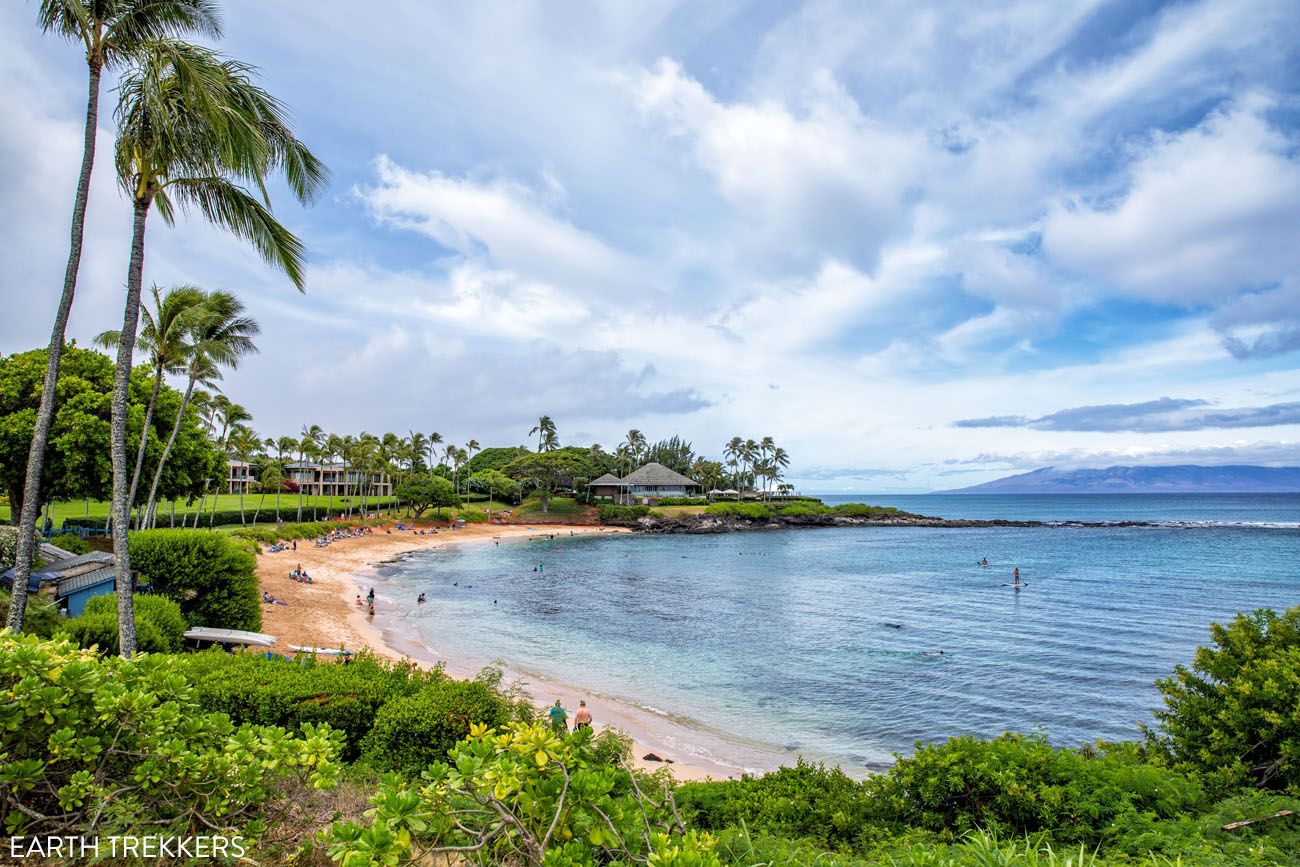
(325, 614)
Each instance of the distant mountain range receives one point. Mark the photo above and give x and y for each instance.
(1145, 480)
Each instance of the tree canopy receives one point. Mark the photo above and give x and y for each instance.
(424, 491)
(77, 460)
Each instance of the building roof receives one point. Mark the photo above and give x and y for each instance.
(68, 586)
(653, 474)
(607, 479)
(60, 569)
(75, 565)
(51, 553)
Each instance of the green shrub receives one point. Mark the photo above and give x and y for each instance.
(522, 796)
(862, 510)
(748, 511)
(1233, 715)
(9, 546)
(253, 689)
(412, 732)
(122, 741)
(622, 514)
(800, 510)
(42, 618)
(159, 626)
(1020, 784)
(72, 543)
(681, 501)
(806, 802)
(473, 516)
(208, 574)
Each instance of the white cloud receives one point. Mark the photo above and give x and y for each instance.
(502, 220)
(1209, 212)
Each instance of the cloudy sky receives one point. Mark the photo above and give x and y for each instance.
(922, 246)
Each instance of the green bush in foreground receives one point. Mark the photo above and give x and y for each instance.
(210, 576)
(525, 796)
(109, 745)
(412, 732)
(1020, 784)
(253, 689)
(1234, 714)
(159, 626)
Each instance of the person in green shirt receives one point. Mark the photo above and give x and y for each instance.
(559, 719)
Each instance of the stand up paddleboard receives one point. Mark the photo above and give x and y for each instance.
(1013, 584)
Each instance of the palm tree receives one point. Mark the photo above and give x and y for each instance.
(308, 446)
(419, 449)
(748, 455)
(231, 415)
(110, 31)
(165, 337)
(242, 444)
(545, 430)
(731, 451)
(435, 440)
(192, 128)
(635, 443)
(221, 335)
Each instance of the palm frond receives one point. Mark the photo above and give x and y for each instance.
(231, 207)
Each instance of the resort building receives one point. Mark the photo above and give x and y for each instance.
(239, 477)
(650, 482)
(336, 480)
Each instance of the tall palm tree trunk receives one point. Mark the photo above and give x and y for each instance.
(121, 506)
(144, 439)
(31, 507)
(167, 449)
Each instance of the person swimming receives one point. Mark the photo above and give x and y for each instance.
(420, 599)
(984, 562)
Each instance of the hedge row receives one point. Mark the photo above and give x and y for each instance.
(226, 517)
(620, 514)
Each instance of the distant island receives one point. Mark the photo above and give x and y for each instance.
(1183, 479)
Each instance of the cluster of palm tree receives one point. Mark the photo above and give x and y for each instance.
(194, 132)
(754, 463)
(191, 333)
(365, 463)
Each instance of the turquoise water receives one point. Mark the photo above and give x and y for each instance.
(781, 637)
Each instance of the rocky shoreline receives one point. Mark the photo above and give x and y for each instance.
(710, 524)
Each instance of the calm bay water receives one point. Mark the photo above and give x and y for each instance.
(782, 637)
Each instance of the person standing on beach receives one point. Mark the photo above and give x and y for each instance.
(582, 719)
(558, 717)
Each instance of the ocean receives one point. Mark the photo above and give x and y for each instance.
(849, 645)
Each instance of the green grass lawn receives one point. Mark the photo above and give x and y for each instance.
(560, 509)
(678, 510)
(99, 509)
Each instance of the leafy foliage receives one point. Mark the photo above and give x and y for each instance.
(253, 689)
(1017, 784)
(412, 732)
(1233, 714)
(424, 491)
(523, 795)
(77, 456)
(622, 514)
(209, 576)
(72, 543)
(110, 744)
(160, 628)
(806, 802)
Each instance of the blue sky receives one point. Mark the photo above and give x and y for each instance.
(921, 245)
